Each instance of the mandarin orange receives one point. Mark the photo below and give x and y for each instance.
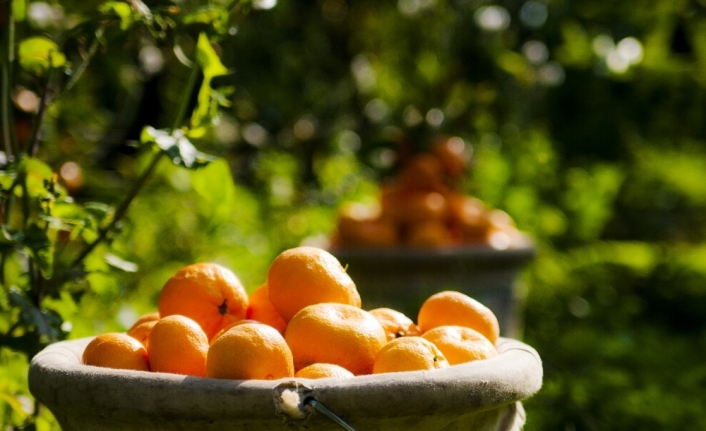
(141, 331)
(321, 371)
(116, 350)
(208, 293)
(454, 155)
(339, 334)
(260, 308)
(177, 344)
(303, 276)
(395, 323)
(250, 351)
(456, 308)
(409, 354)
(460, 344)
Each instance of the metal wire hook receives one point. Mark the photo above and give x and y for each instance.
(328, 413)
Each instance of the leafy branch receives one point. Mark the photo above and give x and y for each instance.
(40, 223)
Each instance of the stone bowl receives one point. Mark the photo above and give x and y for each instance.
(481, 395)
(402, 278)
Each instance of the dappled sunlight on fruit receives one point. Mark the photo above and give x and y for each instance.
(328, 335)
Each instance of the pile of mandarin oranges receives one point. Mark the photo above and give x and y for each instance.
(422, 207)
(304, 321)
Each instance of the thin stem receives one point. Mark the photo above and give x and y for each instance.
(232, 4)
(43, 105)
(181, 114)
(86, 60)
(7, 63)
(137, 187)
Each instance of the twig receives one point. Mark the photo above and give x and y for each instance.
(86, 60)
(8, 60)
(43, 105)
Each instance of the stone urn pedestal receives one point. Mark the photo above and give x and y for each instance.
(402, 278)
(481, 396)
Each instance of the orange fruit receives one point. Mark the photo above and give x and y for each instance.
(470, 216)
(222, 331)
(116, 350)
(354, 232)
(261, 309)
(461, 344)
(208, 293)
(394, 323)
(456, 308)
(141, 331)
(303, 276)
(178, 345)
(147, 317)
(409, 354)
(423, 171)
(454, 155)
(502, 233)
(339, 334)
(422, 206)
(392, 199)
(320, 371)
(250, 351)
(430, 233)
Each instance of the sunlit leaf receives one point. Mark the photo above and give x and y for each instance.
(212, 15)
(177, 146)
(19, 10)
(37, 176)
(38, 54)
(122, 10)
(208, 98)
(95, 261)
(6, 180)
(120, 263)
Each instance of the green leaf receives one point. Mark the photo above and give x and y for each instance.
(38, 54)
(7, 178)
(47, 322)
(12, 401)
(9, 238)
(208, 98)
(41, 248)
(177, 146)
(19, 10)
(207, 58)
(105, 286)
(122, 10)
(215, 17)
(215, 184)
(37, 175)
(120, 263)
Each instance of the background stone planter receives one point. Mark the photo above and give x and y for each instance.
(482, 395)
(403, 278)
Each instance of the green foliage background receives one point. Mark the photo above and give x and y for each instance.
(602, 161)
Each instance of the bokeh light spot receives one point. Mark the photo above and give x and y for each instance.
(535, 52)
(533, 14)
(492, 18)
